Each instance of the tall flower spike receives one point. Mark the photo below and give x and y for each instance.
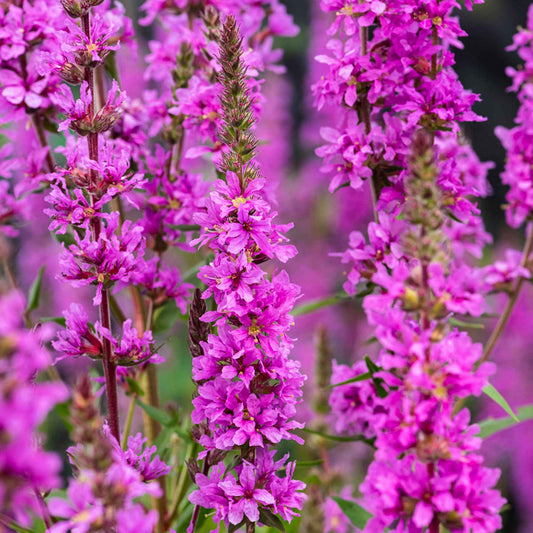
(236, 132)
(247, 386)
(401, 105)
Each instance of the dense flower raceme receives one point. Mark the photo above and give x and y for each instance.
(247, 386)
(387, 74)
(517, 141)
(403, 104)
(25, 469)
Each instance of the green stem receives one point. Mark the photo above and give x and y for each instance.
(129, 420)
(181, 486)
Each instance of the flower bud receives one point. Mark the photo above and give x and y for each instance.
(410, 299)
(192, 468)
(73, 8)
(71, 73)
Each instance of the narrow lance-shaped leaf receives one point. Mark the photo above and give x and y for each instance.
(361, 377)
(315, 305)
(490, 426)
(35, 291)
(373, 368)
(358, 515)
(493, 394)
(270, 519)
(157, 414)
(338, 438)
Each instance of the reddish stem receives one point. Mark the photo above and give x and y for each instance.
(434, 526)
(110, 369)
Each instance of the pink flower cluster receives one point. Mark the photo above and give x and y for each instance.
(185, 109)
(26, 471)
(517, 141)
(252, 316)
(248, 388)
(390, 71)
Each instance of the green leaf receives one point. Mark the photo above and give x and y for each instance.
(337, 438)
(192, 272)
(361, 377)
(110, 66)
(64, 238)
(63, 411)
(57, 493)
(39, 526)
(163, 439)
(19, 529)
(357, 515)
(50, 126)
(166, 316)
(308, 464)
(35, 292)
(4, 139)
(492, 393)
(270, 519)
(454, 218)
(61, 320)
(373, 368)
(185, 227)
(157, 414)
(166, 420)
(134, 387)
(463, 324)
(490, 426)
(232, 528)
(315, 305)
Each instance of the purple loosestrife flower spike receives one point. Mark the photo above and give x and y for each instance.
(247, 386)
(517, 141)
(400, 105)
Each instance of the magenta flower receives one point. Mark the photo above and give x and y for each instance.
(245, 496)
(77, 338)
(139, 456)
(18, 91)
(106, 261)
(25, 468)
